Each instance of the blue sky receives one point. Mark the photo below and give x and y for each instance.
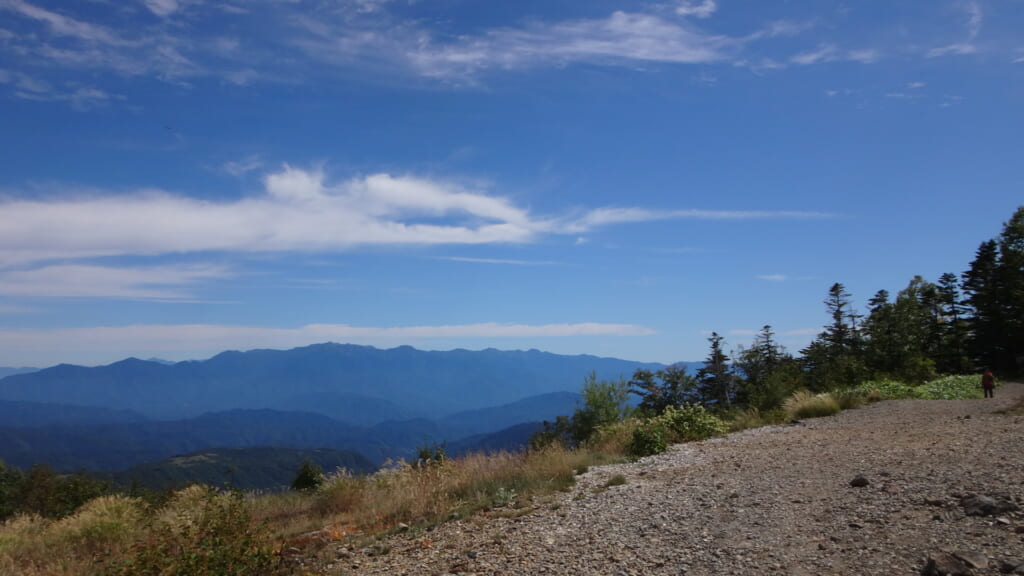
(181, 177)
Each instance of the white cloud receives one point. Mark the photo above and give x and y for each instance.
(82, 281)
(606, 216)
(824, 52)
(916, 85)
(703, 10)
(832, 53)
(114, 342)
(242, 167)
(957, 49)
(162, 7)
(975, 19)
(501, 261)
(62, 25)
(773, 277)
(299, 211)
(620, 38)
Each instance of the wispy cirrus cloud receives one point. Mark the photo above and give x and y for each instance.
(832, 53)
(500, 261)
(607, 216)
(703, 9)
(621, 38)
(299, 211)
(62, 25)
(773, 277)
(974, 20)
(164, 283)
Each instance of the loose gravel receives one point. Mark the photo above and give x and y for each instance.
(774, 500)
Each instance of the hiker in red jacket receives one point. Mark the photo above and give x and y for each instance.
(988, 383)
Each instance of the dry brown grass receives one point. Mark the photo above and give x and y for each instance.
(109, 530)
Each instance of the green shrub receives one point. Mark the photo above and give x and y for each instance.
(308, 478)
(648, 439)
(951, 388)
(886, 389)
(104, 523)
(614, 438)
(690, 423)
(849, 398)
(804, 404)
(616, 480)
(945, 388)
(220, 540)
(754, 418)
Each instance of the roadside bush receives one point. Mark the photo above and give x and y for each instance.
(615, 438)
(308, 478)
(805, 404)
(220, 540)
(648, 439)
(849, 398)
(944, 388)
(951, 388)
(754, 418)
(886, 389)
(690, 423)
(102, 524)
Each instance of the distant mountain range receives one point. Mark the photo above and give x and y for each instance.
(360, 385)
(381, 404)
(7, 371)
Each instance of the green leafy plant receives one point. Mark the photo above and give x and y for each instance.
(690, 423)
(219, 539)
(648, 439)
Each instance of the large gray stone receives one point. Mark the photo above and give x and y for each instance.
(987, 506)
(945, 564)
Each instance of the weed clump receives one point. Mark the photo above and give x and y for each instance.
(804, 404)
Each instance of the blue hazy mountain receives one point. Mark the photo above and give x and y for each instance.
(532, 409)
(116, 446)
(259, 467)
(355, 384)
(35, 414)
(6, 371)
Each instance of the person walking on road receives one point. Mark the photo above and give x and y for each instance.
(988, 383)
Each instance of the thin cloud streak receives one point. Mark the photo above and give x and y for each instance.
(81, 281)
(500, 261)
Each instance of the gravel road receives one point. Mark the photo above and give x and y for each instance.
(775, 500)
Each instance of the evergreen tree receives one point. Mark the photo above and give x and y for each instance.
(715, 381)
(833, 359)
(659, 390)
(309, 477)
(952, 353)
(769, 373)
(982, 291)
(1011, 275)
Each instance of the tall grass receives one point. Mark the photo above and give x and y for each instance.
(804, 404)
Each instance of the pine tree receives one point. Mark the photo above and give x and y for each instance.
(1011, 285)
(833, 359)
(952, 354)
(716, 382)
(982, 297)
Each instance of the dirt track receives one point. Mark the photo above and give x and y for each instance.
(775, 500)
